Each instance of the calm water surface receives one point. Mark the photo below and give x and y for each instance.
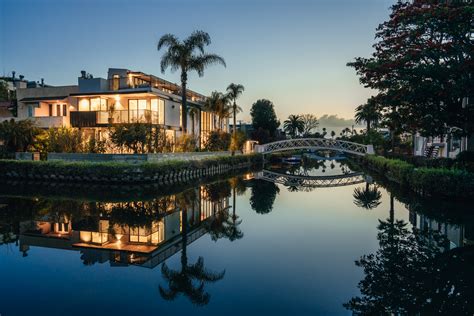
(238, 246)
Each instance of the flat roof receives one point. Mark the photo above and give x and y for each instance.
(34, 99)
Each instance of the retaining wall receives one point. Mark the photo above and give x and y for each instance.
(135, 158)
(160, 172)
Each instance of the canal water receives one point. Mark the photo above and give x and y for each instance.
(337, 242)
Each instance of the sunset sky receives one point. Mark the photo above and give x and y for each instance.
(292, 52)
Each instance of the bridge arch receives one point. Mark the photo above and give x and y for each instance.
(315, 143)
(311, 181)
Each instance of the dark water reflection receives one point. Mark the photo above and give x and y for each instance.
(243, 245)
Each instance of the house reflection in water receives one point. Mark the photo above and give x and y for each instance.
(456, 234)
(125, 233)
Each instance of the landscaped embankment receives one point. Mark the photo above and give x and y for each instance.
(163, 172)
(442, 182)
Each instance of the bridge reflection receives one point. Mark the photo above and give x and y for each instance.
(307, 181)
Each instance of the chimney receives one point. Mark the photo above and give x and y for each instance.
(42, 82)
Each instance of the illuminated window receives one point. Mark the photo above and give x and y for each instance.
(158, 107)
(84, 105)
(142, 104)
(95, 104)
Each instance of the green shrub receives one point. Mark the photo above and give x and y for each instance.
(217, 141)
(426, 180)
(115, 170)
(186, 143)
(18, 135)
(443, 182)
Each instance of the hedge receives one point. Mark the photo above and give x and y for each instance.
(116, 171)
(426, 181)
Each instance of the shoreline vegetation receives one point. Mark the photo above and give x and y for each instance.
(426, 181)
(161, 173)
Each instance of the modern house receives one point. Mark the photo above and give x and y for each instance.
(124, 97)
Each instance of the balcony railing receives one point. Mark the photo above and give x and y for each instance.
(136, 82)
(98, 118)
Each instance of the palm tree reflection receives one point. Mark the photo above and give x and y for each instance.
(191, 278)
(368, 197)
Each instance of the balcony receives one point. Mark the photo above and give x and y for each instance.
(104, 118)
(50, 121)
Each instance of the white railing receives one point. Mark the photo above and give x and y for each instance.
(316, 143)
(311, 181)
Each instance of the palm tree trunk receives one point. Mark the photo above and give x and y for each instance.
(368, 126)
(184, 238)
(234, 131)
(184, 105)
(233, 204)
(392, 209)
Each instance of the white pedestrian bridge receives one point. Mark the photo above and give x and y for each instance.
(316, 144)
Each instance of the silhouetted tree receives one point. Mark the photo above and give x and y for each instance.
(263, 196)
(187, 55)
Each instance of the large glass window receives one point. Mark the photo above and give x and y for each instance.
(142, 105)
(95, 104)
(98, 104)
(158, 107)
(84, 105)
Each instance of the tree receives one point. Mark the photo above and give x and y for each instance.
(264, 117)
(18, 135)
(414, 273)
(4, 94)
(187, 55)
(233, 92)
(193, 112)
(310, 123)
(333, 133)
(368, 113)
(217, 141)
(294, 125)
(423, 65)
(139, 138)
(218, 104)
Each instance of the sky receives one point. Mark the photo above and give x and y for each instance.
(292, 52)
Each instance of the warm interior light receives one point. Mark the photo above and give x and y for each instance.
(117, 98)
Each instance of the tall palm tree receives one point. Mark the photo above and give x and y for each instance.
(234, 91)
(187, 55)
(368, 113)
(294, 125)
(218, 104)
(224, 110)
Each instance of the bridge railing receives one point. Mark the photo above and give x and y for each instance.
(316, 143)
